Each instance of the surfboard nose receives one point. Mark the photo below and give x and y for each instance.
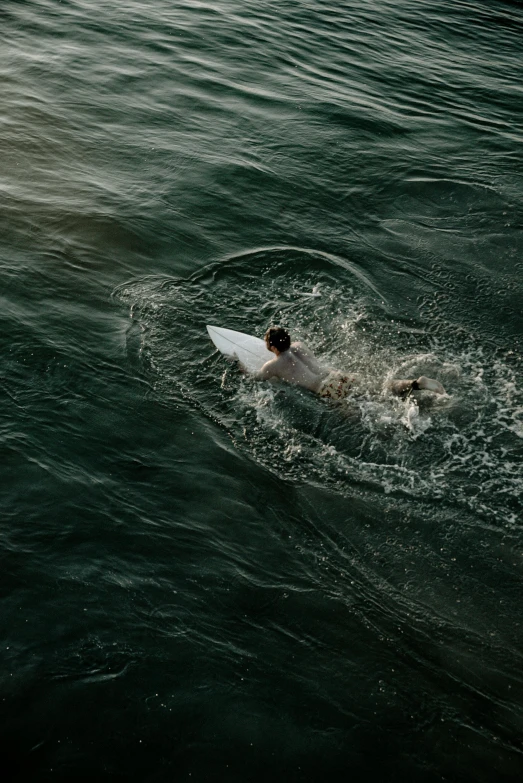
(250, 351)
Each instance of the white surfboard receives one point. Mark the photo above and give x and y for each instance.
(250, 351)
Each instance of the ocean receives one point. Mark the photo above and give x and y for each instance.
(208, 578)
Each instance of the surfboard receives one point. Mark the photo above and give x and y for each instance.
(250, 351)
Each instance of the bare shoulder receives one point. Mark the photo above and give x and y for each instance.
(300, 348)
(269, 369)
(306, 355)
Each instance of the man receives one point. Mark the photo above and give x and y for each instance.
(294, 363)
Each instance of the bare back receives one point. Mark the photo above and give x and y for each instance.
(297, 365)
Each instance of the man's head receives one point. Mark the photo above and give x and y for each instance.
(278, 338)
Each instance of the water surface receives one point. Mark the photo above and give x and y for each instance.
(205, 578)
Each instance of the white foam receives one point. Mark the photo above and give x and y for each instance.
(473, 434)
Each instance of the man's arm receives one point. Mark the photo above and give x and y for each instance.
(267, 371)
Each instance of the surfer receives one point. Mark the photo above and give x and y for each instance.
(296, 364)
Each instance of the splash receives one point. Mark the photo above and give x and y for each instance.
(462, 449)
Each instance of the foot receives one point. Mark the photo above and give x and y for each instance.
(429, 384)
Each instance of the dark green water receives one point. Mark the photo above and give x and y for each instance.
(204, 578)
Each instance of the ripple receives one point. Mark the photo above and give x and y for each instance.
(461, 450)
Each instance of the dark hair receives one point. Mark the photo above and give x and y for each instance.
(278, 338)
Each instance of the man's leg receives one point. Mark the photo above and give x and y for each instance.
(402, 388)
